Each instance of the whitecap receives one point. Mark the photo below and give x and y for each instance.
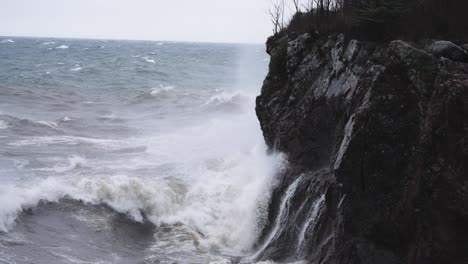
(76, 68)
(225, 98)
(7, 41)
(149, 60)
(122, 193)
(48, 43)
(160, 89)
(160, 44)
(62, 47)
(49, 124)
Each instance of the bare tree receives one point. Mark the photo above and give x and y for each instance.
(297, 5)
(277, 15)
(309, 6)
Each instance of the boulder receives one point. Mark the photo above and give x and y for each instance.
(448, 50)
(465, 47)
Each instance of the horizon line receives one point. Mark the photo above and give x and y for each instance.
(123, 39)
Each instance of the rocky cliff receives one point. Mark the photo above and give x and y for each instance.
(377, 139)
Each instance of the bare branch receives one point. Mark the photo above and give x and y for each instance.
(276, 13)
(297, 5)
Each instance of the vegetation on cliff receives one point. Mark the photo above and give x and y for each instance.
(376, 19)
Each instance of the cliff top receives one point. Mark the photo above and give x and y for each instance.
(377, 20)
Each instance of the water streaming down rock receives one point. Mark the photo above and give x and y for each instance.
(376, 137)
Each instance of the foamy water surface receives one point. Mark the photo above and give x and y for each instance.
(131, 152)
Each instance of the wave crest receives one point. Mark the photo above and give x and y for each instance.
(222, 208)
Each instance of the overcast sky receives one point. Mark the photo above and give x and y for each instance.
(180, 20)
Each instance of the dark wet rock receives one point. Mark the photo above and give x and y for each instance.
(449, 50)
(465, 47)
(381, 133)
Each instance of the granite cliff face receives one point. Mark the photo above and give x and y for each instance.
(377, 138)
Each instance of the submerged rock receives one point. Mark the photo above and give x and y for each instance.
(380, 133)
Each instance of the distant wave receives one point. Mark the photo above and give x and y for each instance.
(76, 68)
(226, 101)
(62, 47)
(48, 43)
(147, 59)
(160, 89)
(7, 41)
(225, 97)
(151, 94)
(49, 124)
(24, 126)
(67, 140)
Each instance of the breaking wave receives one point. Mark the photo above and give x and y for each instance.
(224, 207)
(160, 89)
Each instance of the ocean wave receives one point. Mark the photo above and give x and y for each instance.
(160, 89)
(151, 94)
(66, 140)
(26, 126)
(48, 123)
(227, 101)
(76, 68)
(150, 60)
(62, 47)
(226, 97)
(224, 210)
(48, 43)
(7, 41)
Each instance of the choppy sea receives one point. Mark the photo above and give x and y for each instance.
(131, 151)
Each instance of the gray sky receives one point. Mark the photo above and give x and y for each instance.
(179, 20)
